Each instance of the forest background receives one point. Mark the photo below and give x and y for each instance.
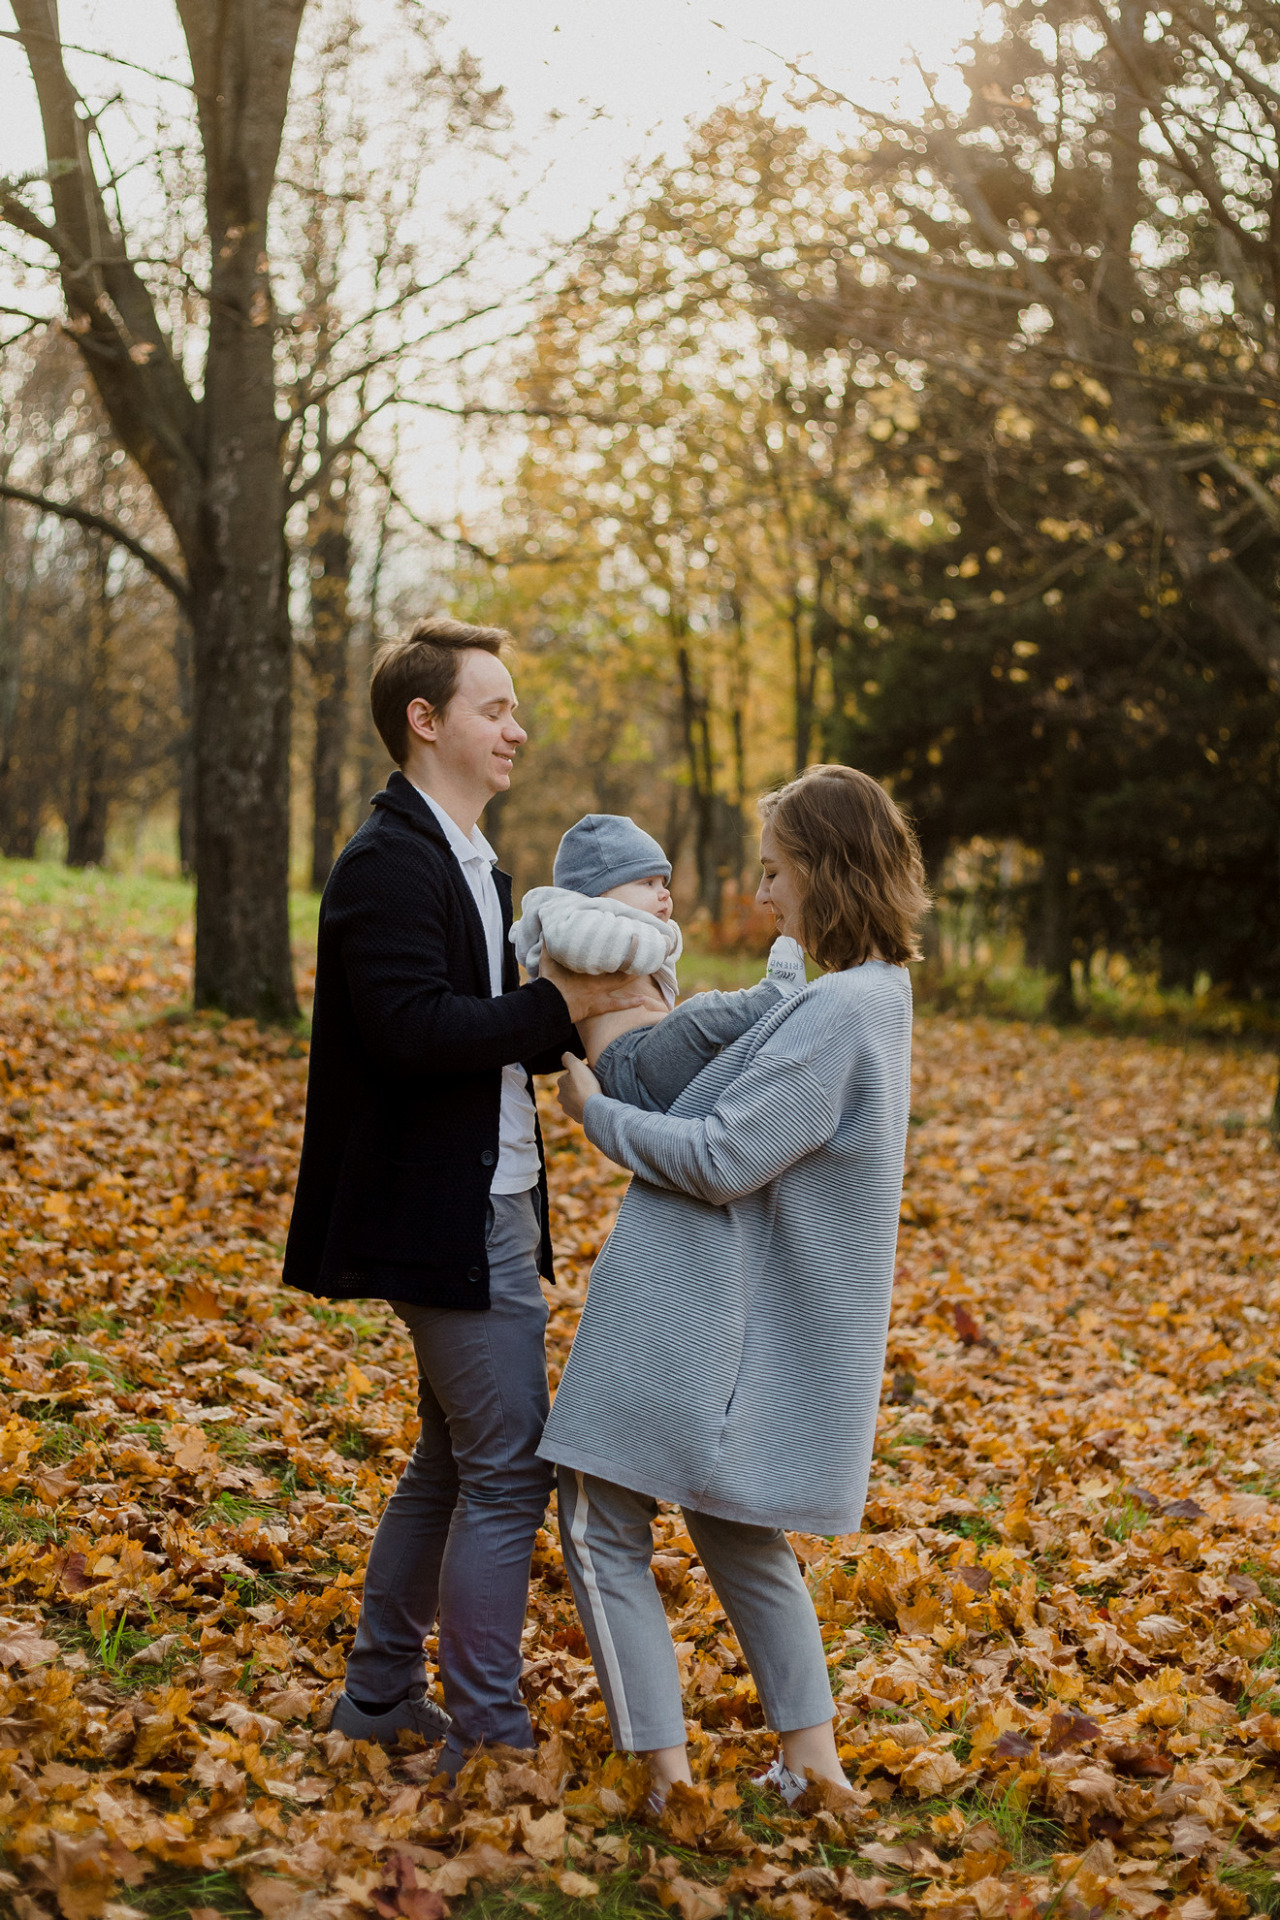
(944, 445)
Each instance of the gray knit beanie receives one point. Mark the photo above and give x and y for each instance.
(605, 850)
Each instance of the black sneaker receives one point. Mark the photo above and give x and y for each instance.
(416, 1713)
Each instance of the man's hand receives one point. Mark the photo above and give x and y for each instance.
(576, 1085)
(588, 994)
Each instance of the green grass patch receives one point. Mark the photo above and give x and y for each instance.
(170, 1895)
(1135, 1004)
(119, 903)
(101, 1366)
(969, 1526)
(1029, 1836)
(112, 911)
(1258, 1884)
(618, 1898)
(1125, 1518)
(234, 1442)
(233, 1509)
(60, 1440)
(101, 1320)
(21, 1522)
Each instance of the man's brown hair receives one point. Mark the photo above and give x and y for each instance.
(858, 859)
(422, 666)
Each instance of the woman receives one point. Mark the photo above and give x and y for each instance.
(730, 1353)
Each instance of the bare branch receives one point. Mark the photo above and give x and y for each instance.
(94, 53)
(98, 523)
(460, 540)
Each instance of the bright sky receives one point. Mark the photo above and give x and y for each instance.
(593, 85)
(623, 78)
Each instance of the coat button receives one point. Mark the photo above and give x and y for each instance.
(473, 1273)
(487, 1158)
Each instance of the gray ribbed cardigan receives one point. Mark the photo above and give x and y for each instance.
(731, 1349)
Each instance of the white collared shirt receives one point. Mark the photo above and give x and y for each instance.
(517, 1168)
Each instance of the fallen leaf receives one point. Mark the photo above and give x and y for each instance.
(577, 1886)
(543, 1836)
(54, 1484)
(277, 1898)
(691, 1899)
(22, 1646)
(978, 1579)
(1191, 1836)
(1140, 1763)
(872, 1893)
(155, 1651)
(930, 1774)
(968, 1331)
(1068, 1730)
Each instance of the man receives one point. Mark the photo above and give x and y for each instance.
(422, 1182)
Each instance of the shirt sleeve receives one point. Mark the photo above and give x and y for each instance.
(773, 1115)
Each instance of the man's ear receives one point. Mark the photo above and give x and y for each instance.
(422, 719)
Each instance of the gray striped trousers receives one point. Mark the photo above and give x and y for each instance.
(607, 1540)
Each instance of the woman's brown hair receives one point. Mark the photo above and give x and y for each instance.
(859, 862)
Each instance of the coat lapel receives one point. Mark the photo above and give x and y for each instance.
(510, 969)
(402, 797)
(471, 917)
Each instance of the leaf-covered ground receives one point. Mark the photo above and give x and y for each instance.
(1056, 1646)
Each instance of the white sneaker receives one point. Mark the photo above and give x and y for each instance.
(786, 965)
(780, 1777)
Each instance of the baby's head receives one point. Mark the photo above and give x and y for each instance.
(608, 857)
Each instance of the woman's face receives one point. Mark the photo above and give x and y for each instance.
(779, 887)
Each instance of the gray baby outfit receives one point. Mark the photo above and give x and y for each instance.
(650, 1066)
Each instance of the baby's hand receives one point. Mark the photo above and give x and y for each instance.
(786, 964)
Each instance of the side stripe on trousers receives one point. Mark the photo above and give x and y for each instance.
(578, 1534)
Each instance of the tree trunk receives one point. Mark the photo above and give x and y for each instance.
(213, 462)
(242, 674)
(241, 56)
(87, 827)
(184, 666)
(17, 832)
(330, 553)
(89, 800)
(1055, 890)
(739, 693)
(371, 754)
(695, 727)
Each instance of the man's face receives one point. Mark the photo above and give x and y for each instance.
(476, 737)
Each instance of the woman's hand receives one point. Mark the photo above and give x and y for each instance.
(576, 1085)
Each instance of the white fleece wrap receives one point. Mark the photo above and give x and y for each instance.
(596, 936)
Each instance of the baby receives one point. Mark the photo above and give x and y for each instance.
(609, 911)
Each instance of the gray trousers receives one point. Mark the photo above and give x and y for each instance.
(607, 1540)
(650, 1066)
(456, 1539)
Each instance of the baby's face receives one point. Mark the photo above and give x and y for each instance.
(649, 894)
